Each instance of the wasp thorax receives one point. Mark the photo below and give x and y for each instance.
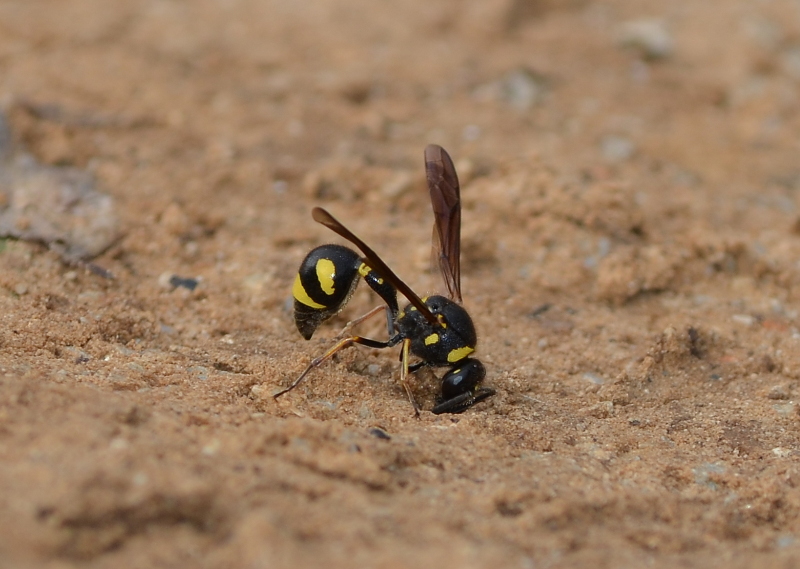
(446, 343)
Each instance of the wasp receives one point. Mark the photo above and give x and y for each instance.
(435, 329)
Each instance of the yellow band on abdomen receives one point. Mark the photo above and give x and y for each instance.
(301, 296)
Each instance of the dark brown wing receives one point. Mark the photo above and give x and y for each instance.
(446, 202)
(326, 219)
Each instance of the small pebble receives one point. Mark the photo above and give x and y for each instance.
(171, 281)
(745, 319)
(185, 282)
(211, 448)
(617, 148)
(524, 89)
(380, 434)
(778, 393)
(650, 37)
(520, 88)
(785, 409)
(200, 372)
(593, 378)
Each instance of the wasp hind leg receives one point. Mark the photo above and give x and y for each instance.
(341, 345)
(353, 323)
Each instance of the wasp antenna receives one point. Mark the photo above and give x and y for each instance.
(322, 216)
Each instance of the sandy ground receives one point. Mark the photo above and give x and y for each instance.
(630, 181)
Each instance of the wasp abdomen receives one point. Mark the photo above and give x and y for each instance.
(325, 282)
(327, 278)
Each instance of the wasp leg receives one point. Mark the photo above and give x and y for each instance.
(415, 367)
(404, 374)
(361, 319)
(461, 403)
(341, 345)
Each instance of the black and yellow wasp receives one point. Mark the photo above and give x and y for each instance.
(435, 329)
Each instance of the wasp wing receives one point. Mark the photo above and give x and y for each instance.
(375, 262)
(446, 202)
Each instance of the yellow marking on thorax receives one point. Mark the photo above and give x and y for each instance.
(459, 354)
(432, 339)
(326, 271)
(300, 294)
